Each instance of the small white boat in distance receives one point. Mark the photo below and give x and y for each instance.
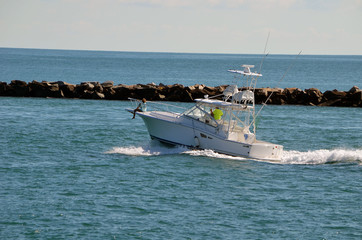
(229, 130)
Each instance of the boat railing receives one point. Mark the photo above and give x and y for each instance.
(154, 106)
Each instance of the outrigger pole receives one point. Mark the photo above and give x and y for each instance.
(285, 73)
(266, 43)
(261, 64)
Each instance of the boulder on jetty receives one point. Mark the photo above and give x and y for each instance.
(177, 92)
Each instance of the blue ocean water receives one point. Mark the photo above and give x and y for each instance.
(82, 169)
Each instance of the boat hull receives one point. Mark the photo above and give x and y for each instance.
(177, 130)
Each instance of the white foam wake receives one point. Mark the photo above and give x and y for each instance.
(212, 154)
(323, 156)
(148, 150)
(159, 149)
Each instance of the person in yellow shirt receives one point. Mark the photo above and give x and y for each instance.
(217, 113)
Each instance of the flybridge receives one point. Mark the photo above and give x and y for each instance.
(222, 104)
(246, 71)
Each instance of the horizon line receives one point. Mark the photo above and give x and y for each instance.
(134, 51)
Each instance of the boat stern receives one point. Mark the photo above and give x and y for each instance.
(267, 151)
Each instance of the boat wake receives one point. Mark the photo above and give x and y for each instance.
(212, 154)
(147, 150)
(323, 156)
(316, 157)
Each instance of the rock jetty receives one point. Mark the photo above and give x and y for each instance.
(176, 92)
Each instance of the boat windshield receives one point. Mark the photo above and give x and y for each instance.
(198, 112)
(202, 111)
(194, 112)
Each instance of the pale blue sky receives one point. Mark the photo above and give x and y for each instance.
(201, 26)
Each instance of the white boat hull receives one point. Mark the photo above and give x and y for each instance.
(180, 130)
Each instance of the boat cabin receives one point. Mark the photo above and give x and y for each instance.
(234, 123)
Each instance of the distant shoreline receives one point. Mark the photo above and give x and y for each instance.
(176, 92)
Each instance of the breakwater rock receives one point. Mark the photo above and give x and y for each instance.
(176, 92)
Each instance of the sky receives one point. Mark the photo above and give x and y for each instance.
(192, 26)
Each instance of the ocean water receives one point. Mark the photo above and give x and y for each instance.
(82, 169)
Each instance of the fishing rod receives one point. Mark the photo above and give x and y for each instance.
(285, 73)
(261, 64)
(262, 60)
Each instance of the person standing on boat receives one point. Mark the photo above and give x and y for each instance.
(217, 113)
(141, 107)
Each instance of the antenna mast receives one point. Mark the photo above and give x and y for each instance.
(285, 73)
(261, 64)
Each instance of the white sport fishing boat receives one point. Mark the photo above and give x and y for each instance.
(232, 134)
